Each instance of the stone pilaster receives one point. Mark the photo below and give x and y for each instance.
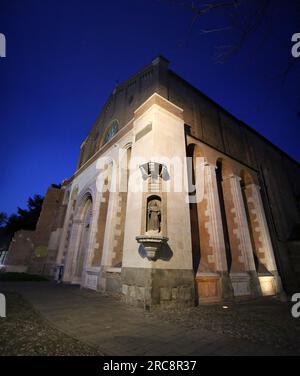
(92, 240)
(67, 229)
(214, 226)
(90, 278)
(73, 246)
(100, 229)
(243, 273)
(262, 240)
(213, 250)
(167, 280)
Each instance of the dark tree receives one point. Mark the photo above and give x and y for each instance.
(3, 219)
(25, 219)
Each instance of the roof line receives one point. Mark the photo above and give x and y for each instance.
(241, 122)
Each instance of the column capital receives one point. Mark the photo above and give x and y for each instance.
(232, 176)
(209, 164)
(253, 185)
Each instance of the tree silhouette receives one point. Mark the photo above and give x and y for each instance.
(25, 219)
(3, 219)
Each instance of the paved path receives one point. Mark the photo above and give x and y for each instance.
(118, 329)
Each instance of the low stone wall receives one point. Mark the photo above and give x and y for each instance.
(28, 250)
(20, 252)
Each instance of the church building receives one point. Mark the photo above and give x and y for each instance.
(174, 202)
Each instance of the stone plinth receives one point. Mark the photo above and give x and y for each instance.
(166, 288)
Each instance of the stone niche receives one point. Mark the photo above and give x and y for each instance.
(152, 241)
(166, 288)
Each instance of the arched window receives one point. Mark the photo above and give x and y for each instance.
(111, 131)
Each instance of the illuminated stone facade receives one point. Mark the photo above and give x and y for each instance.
(140, 222)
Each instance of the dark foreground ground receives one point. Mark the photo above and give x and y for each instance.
(48, 319)
(26, 332)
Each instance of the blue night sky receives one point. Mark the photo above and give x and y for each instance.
(64, 57)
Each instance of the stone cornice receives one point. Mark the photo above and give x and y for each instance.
(160, 101)
(154, 99)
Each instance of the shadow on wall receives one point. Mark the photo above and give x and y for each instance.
(165, 252)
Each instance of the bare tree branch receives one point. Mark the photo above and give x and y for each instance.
(200, 9)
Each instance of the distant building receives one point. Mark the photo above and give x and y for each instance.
(29, 250)
(224, 232)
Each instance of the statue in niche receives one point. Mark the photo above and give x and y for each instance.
(154, 216)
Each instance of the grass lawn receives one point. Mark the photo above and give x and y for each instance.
(25, 332)
(20, 277)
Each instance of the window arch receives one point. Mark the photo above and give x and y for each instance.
(110, 132)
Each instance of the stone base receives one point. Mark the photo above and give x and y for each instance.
(208, 287)
(241, 284)
(16, 268)
(91, 279)
(110, 280)
(267, 285)
(49, 270)
(77, 281)
(245, 284)
(226, 286)
(254, 284)
(166, 288)
(278, 283)
(270, 284)
(103, 279)
(213, 287)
